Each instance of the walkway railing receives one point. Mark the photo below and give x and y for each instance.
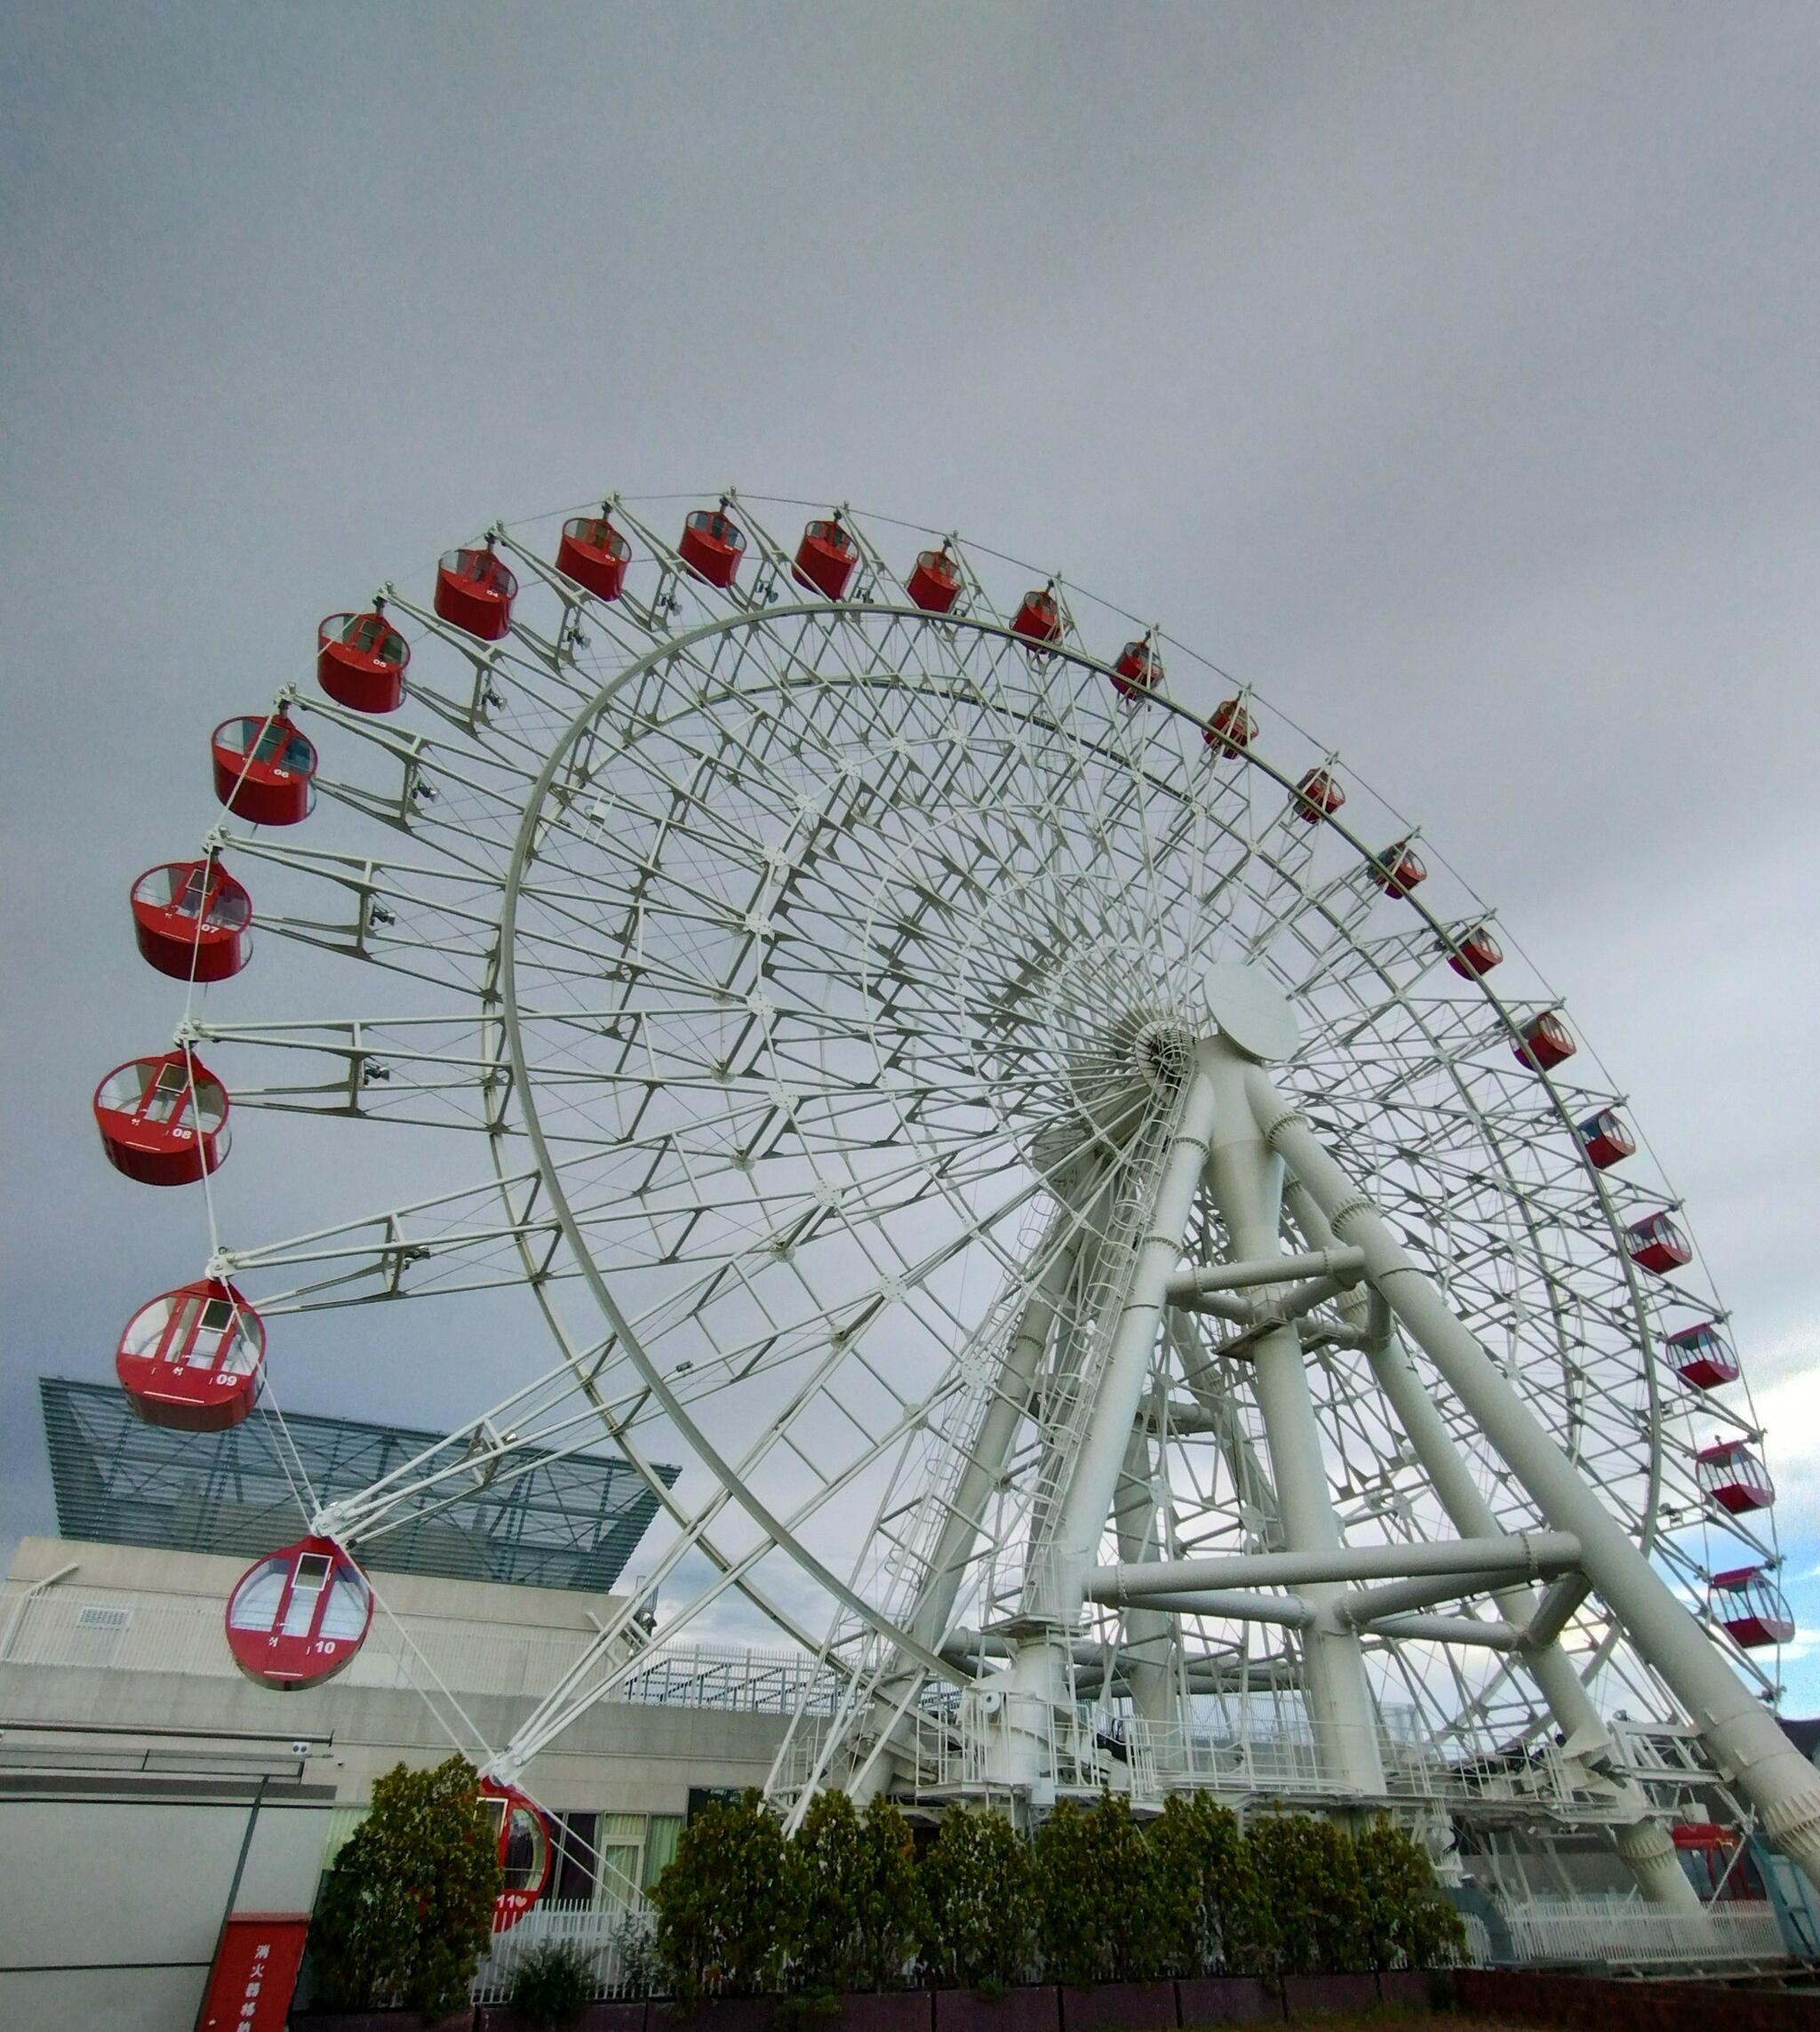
(615, 1941)
(1615, 1933)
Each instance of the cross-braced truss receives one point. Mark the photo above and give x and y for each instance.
(813, 984)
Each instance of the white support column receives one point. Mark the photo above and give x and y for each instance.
(887, 1712)
(1009, 1407)
(1745, 1740)
(1148, 1654)
(1246, 1182)
(1086, 1501)
(1643, 1842)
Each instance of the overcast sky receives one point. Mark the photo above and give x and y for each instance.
(1447, 372)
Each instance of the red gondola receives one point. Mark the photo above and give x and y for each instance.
(595, 555)
(713, 544)
(1544, 1043)
(1398, 869)
(1477, 953)
(360, 661)
(298, 1617)
(1230, 728)
(1734, 1477)
(1751, 1607)
(526, 1852)
(1607, 1138)
(1317, 795)
(826, 558)
(1656, 1243)
(265, 770)
(1138, 670)
(934, 585)
(474, 591)
(164, 1121)
(1039, 618)
(192, 920)
(1702, 1358)
(192, 1358)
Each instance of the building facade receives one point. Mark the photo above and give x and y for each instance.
(134, 1752)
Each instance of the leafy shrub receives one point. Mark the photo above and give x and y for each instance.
(979, 1903)
(407, 1911)
(1098, 1917)
(1206, 1889)
(855, 1896)
(725, 1916)
(552, 1987)
(891, 1912)
(1407, 1922)
(1094, 1898)
(1311, 1900)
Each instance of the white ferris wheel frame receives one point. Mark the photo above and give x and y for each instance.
(477, 792)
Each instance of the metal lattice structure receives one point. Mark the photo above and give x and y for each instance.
(1110, 1370)
(567, 1522)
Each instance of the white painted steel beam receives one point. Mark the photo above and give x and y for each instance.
(1519, 1552)
(1087, 1501)
(1244, 1178)
(1241, 1605)
(1499, 1636)
(1366, 1605)
(1346, 1263)
(1746, 1742)
(1555, 1610)
(1649, 1853)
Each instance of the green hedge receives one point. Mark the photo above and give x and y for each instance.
(1095, 1896)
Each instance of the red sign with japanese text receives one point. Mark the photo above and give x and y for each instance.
(250, 1984)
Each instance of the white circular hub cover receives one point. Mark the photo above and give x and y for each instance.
(1252, 1013)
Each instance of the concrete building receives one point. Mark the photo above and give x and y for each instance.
(130, 1742)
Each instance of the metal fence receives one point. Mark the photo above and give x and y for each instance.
(615, 1941)
(1616, 1933)
(1602, 1933)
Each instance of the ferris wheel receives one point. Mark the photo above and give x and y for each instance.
(1146, 1284)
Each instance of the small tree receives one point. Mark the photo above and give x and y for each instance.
(854, 1897)
(891, 1900)
(1206, 1888)
(1311, 1899)
(826, 1866)
(407, 1911)
(1098, 1914)
(979, 1903)
(1407, 1922)
(725, 1905)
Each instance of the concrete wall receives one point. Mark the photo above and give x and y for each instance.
(112, 1887)
(621, 1757)
(112, 1893)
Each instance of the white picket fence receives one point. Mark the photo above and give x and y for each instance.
(611, 1937)
(1624, 1934)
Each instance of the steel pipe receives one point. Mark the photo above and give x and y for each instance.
(1522, 1552)
(1745, 1741)
(1345, 1263)
(1371, 1604)
(1652, 1860)
(1498, 1635)
(1555, 1610)
(1242, 1604)
(1085, 1501)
